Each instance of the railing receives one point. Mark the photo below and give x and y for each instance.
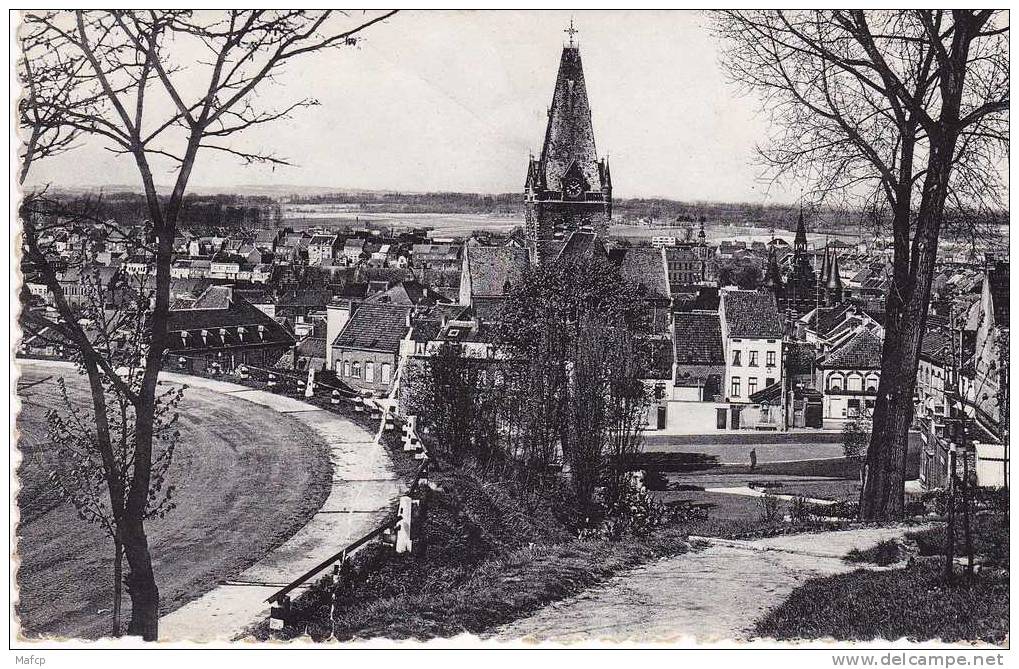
(395, 530)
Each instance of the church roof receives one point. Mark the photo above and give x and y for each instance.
(645, 266)
(491, 267)
(569, 137)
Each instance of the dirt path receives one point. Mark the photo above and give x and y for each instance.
(715, 593)
(247, 479)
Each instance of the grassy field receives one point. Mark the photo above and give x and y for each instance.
(912, 603)
(247, 479)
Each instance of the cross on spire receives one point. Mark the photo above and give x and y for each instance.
(571, 31)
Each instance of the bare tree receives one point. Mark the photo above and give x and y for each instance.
(92, 482)
(908, 108)
(126, 66)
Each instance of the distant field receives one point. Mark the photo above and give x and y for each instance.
(462, 225)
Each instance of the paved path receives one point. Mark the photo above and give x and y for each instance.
(715, 593)
(363, 487)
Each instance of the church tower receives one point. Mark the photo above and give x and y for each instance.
(801, 289)
(567, 188)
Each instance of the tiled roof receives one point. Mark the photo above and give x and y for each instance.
(581, 246)
(646, 267)
(862, 351)
(698, 339)
(491, 267)
(935, 346)
(375, 327)
(227, 321)
(752, 314)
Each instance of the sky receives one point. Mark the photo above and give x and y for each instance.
(455, 101)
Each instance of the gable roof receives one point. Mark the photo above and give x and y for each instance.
(646, 267)
(227, 319)
(862, 351)
(375, 327)
(491, 267)
(752, 314)
(698, 339)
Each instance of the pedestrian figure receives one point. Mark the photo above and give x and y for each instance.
(753, 459)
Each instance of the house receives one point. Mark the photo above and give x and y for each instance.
(366, 352)
(488, 275)
(220, 330)
(700, 357)
(322, 248)
(752, 342)
(849, 376)
(352, 250)
(225, 265)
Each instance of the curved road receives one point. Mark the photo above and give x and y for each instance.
(247, 479)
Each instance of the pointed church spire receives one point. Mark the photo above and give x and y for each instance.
(824, 265)
(800, 243)
(568, 188)
(833, 280)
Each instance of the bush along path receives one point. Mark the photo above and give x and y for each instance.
(715, 593)
(364, 488)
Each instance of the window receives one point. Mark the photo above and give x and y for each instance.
(770, 359)
(346, 368)
(835, 383)
(872, 382)
(855, 383)
(355, 370)
(387, 369)
(751, 385)
(369, 372)
(753, 358)
(735, 386)
(735, 358)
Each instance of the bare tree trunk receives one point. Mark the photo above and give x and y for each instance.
(118, 583)
(883, 494)
(141, 583)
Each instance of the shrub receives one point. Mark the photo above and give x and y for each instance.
(655, 480)
(799, 509)
(885, 553)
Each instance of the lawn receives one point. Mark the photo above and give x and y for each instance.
(913, 603)
(248, 478)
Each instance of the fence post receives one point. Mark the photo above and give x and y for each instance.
(403, 527)
(359, 404)
(335, 397)
(272, 381)
(309, 389)
(279, 613)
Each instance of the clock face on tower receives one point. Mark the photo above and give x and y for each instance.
(574, 189)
